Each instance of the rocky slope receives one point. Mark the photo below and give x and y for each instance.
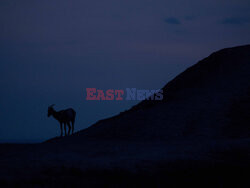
(208, 100)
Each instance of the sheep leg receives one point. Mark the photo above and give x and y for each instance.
(69, 128)
(65, 129)
(61, 129)
(72, 127)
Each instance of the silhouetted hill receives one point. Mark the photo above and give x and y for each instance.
(197, 136)
(208, 100)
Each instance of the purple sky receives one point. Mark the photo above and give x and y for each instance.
(50, 51)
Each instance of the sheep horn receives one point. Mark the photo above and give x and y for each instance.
(52, 105)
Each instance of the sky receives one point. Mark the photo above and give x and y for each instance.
(52, 50)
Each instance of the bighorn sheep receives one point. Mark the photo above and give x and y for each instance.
(64, 117)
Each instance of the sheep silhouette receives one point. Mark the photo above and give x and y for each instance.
(65, 117)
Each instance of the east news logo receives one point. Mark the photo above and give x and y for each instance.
(127, 94)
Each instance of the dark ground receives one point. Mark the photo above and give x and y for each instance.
(200, 163)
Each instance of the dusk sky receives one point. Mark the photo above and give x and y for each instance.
(52, 50)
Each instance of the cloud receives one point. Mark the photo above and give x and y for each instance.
(172, 20)
(235, 21)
